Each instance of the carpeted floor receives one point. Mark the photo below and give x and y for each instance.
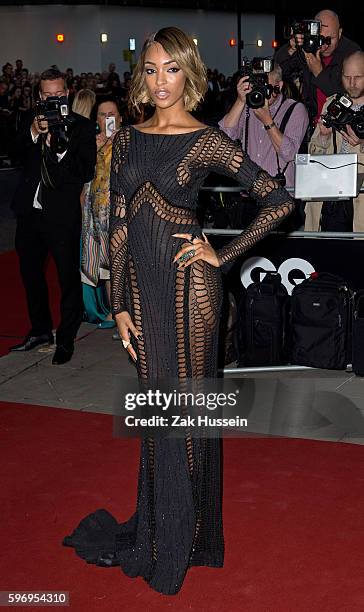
(293, 518)
(14, 322)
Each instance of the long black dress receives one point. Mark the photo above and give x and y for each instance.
(155, 180)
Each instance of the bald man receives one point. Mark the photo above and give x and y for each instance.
(320, 73)
(340, 216)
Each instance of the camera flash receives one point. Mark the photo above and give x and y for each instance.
(103, 37)
(259, 42)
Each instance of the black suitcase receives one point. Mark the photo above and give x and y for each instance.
(262, 323)
(321, 317)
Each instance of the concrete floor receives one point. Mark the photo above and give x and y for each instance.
(315, 404)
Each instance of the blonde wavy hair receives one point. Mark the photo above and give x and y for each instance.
(84, 102)
(183, 51)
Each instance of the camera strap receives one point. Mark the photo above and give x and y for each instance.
(334, 139)
(46, 180)
(247, 117)
(282, 127)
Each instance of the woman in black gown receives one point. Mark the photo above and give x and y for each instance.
(167, 309)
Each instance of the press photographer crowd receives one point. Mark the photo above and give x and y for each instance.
(58, 128)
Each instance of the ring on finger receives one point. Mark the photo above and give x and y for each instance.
(187, 255)
(126, 343)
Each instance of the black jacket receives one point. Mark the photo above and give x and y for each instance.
(329, 79)
(61, 204)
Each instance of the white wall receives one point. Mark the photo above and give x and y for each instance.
(28, 32)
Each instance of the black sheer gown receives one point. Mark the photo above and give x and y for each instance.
(155, 181)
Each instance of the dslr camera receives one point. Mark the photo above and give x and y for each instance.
(339, 114)
(55, 111)
(257, 70)
(312, 39)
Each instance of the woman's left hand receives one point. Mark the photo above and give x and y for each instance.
(202, 248)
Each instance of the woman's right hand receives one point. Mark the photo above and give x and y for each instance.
(126, 327)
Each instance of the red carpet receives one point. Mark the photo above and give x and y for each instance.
(293, 518)
(14, 322)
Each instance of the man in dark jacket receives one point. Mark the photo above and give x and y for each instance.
(48, 211)
(320, 73)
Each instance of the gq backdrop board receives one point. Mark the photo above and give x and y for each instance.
(295, 259)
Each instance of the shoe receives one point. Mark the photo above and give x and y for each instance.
(63, 354)
(107, 560)
(107, 324)
(30, 342)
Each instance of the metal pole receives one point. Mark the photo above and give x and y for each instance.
(282, 368)
(336, 235)
(239, 34)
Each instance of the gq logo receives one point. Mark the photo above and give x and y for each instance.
(293, 271)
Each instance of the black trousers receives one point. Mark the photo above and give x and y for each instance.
(35, 238)
(337, 216)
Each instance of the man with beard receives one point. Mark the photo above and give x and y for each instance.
(340, 216)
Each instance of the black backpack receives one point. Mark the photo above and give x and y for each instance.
(321, 317)
(262, 323)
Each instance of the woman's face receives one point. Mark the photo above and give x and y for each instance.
(107, 109)
(164, 79)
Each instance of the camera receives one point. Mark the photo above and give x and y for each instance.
(257, 70)
(312, 39)
(281, 179)
(339, 114)
(55, 110)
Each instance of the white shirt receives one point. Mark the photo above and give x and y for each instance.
(36, 203)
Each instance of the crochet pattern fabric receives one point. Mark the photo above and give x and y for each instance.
(154, 181)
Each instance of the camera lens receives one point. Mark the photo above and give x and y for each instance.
(255, 99)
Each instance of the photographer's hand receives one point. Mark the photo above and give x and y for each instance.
(274, 133)
(39, 126)
(313, 62)
(324, 131)
(294, 43)
(263, 114)
(232, 118)
(243, 88)
(351, 137)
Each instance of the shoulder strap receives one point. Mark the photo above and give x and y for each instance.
(282, 127)
(286, 117)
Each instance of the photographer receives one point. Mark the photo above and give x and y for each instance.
(259, 131)
(58, 152)
(349, 215)
(319, 72)
(258, 128)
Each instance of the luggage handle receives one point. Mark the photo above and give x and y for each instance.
(328, 276)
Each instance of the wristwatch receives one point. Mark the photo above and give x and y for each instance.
(269, 126)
